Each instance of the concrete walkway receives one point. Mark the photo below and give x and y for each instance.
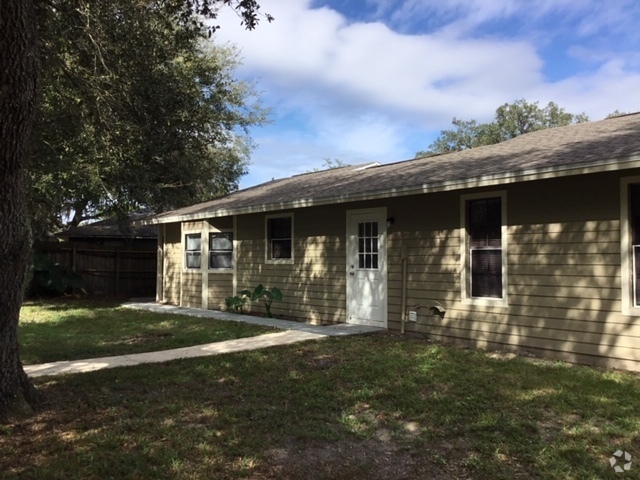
(294, 332)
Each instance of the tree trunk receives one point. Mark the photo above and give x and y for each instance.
(18, 81)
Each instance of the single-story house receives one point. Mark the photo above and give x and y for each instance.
(530, 245)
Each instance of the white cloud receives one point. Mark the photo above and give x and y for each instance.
(367, 66)
(363, 88)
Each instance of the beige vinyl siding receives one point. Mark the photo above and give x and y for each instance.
(314, 285)
(220, 284)
(220, 287)
(427, 228)
(191, 279)
(172, 263)
(192, 289)
(219, 224)
(192, 226)
(564, 279)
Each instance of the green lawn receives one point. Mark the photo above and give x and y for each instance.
(364, 407)
(76, 329)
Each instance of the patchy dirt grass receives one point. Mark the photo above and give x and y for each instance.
(79, 328)
(368, 407)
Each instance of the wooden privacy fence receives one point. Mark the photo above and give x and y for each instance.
(108, 271)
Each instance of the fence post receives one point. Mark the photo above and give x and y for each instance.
(73, 259)
(117, 272)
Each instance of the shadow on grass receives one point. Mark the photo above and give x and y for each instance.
(75, 331)
(358, 407)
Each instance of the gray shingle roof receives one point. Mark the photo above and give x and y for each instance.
(611, 141)
(111, 228)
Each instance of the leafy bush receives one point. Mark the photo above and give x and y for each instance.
(50, 277)
(267, 296)
(235, 304)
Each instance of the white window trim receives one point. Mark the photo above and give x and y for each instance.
(626, 253)
(184, 251)
(465, 276)
(276, 261)
(233, 251)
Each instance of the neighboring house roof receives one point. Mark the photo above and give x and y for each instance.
(610, 144)
(111, 228)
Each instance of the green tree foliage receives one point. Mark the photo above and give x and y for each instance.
(21, 58)
(137, 110)
(511, 120)
(617, 113)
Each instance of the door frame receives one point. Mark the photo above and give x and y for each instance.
(381, 214)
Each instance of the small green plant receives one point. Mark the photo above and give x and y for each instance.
(266, 295)
(235, 304)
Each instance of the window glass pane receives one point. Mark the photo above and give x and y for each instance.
(634, 210)
(486, 273)
(485, 222)
(367, 229)
(280, 249)
(193, 259)
(636, 274)
(192, 241)
(221, 241)
(361, 230)
(494, 222)
(280, 227)
(279, 237)
(374, 229)
(374, 261)
(361, 245)
(367, 261)
(361, 260)
(220, 260)
(634, 221)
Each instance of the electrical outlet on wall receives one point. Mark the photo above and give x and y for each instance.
(413, 316)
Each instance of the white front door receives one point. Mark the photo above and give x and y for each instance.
(367, 267)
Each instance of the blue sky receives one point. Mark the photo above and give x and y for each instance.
(376, 80)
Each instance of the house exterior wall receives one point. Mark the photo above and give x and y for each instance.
(563, 269)
(220, 284)
(172, 264)
(563, 266)
(191, 291)
(314, 285)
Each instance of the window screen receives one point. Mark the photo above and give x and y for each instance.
(221, 250)
(192, 250)
(634, 213)
(484, 217)
(279, 238)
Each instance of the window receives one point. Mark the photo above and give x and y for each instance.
(221, 250)
(280, 238)
(192, 250)
(630, 244)
(485, 247)
(634, 227)
(368, 245)
(483, 227)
